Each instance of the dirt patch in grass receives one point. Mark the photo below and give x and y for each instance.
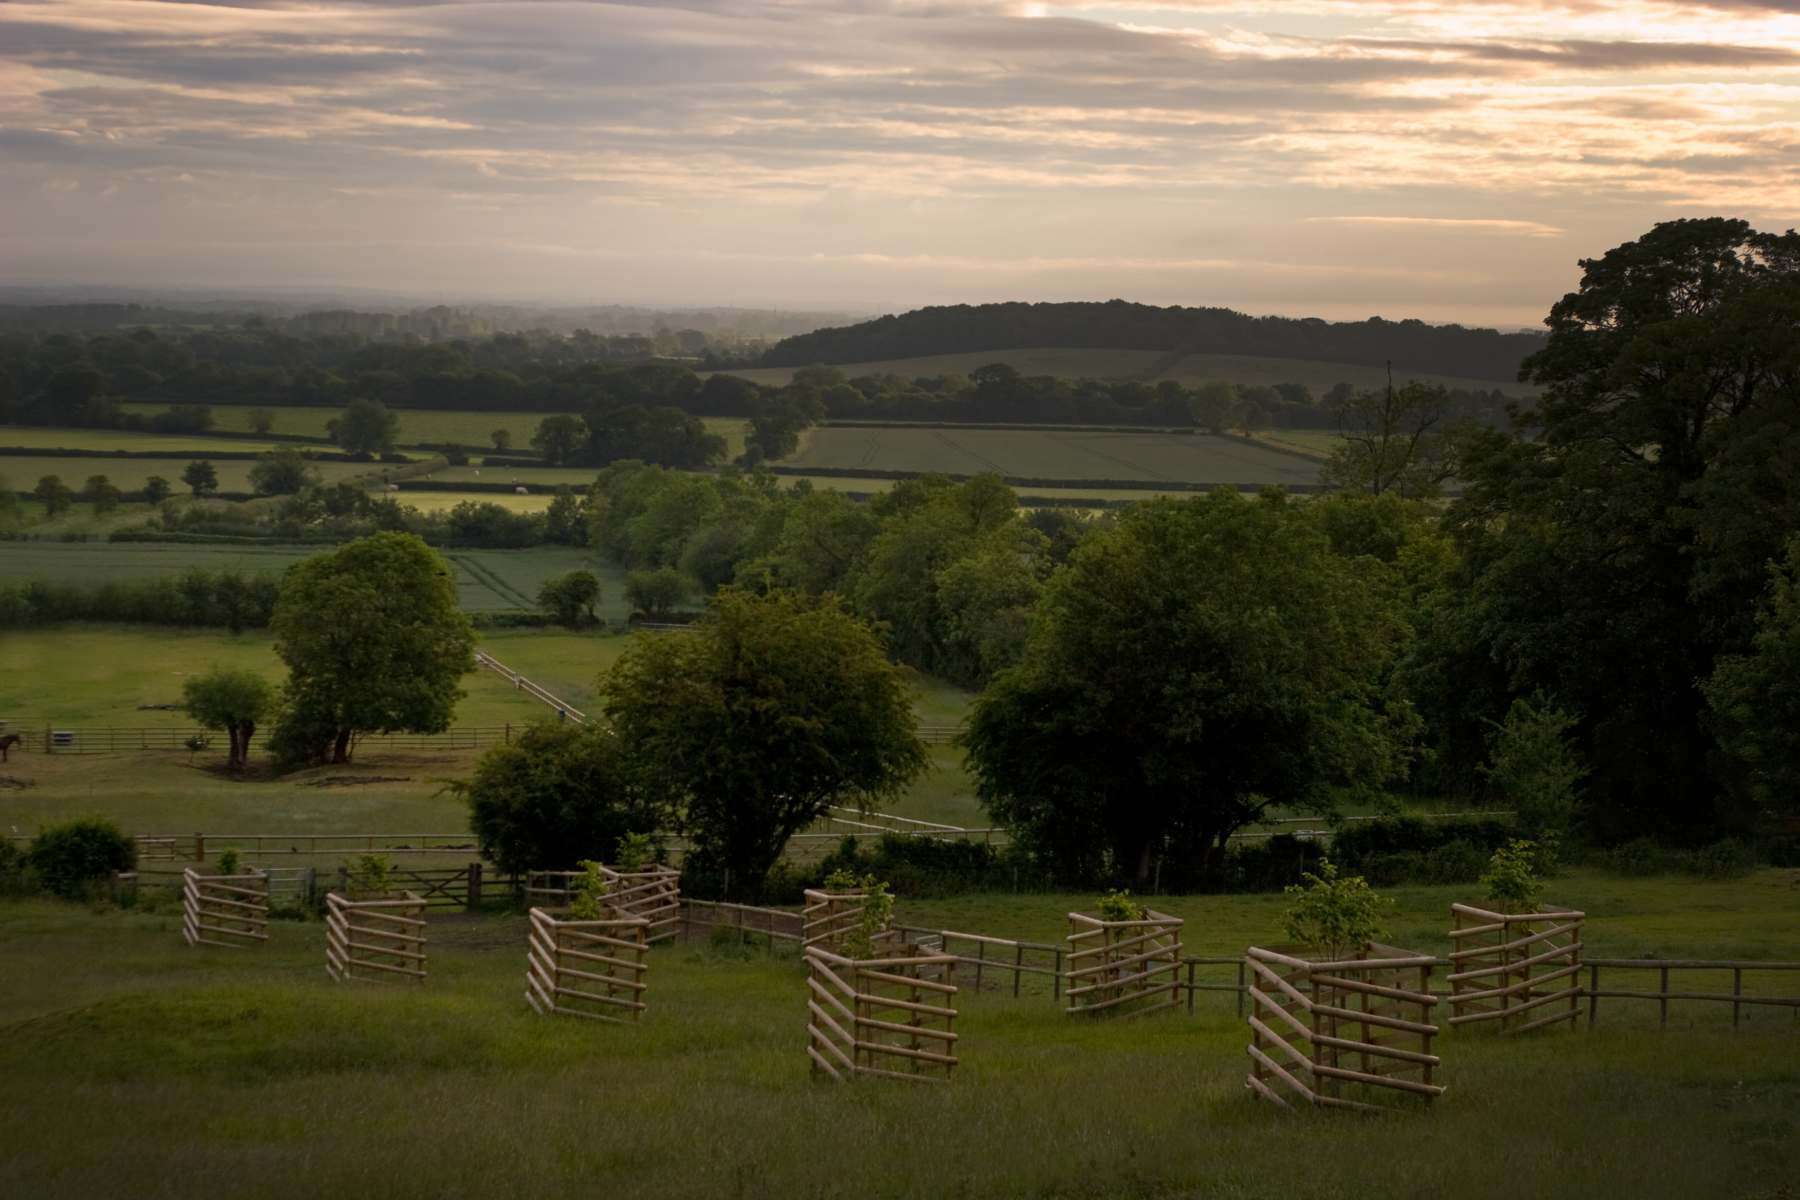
(354, 780)
(13, 781)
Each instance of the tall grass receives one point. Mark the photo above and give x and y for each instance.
(138, 1066)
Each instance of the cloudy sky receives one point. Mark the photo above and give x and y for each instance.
(1330, 157)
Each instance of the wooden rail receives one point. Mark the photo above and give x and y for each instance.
(224, 910)
(1521, 971)
(563, 708)
(1309, 1019)
(829, 916)
(1665, 994)
(587, 968)
(653, 893)
(777, 924)
(375, 940)
(1133, 967)
(892, 1017)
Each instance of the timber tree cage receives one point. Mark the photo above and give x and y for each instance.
(1129, 967)
(587, 968)
(887, 1017)
(225, 910)
(378, 940)
(1321, 1028)
(1519, 971)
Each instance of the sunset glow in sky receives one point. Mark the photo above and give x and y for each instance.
(1325, 157)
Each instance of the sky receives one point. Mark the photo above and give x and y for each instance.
(1410, 158)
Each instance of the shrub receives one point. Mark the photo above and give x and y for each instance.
(1119, 906)
(1511, 877)
(71, 858)
(371, 877)
(1727, 859)
(588, 889)
(637, 851)
(1334, 916)
(1534, 766)
(229, 863)
(15, 874)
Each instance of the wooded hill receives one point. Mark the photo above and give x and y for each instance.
(1412, 346)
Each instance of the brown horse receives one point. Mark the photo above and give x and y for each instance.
(7, 743)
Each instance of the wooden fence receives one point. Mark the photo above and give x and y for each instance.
(829, 916)
(1505, 966)
(224, 910)
(1304, 1013)
(1112, 964)
(375, 939)
(892, 1017)
(605, 979)
(653, 893)
(776, 924)
(1737, 997)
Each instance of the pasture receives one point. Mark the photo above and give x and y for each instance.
(1050, 454)
(486, 580)
(250, 1074)
(129, 474)
(1148, 366)
(418, 426)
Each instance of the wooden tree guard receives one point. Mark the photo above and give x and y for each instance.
(829, 916)
(1134, 966)
(653, 893)
(1514, 968)
(892, 1017)
(224, 910)
(375, 940)
(583, 968)
(1310, 1020)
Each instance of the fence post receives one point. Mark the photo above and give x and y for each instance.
(1190, 989)
(1663, 1000)
(1056, 979)
(1593, 992)
(310, 884)
(1737, 989)
(1240, 987)
(980, 957)
(344, 880)
(199, 847)
(474, 899)
(1018, 961)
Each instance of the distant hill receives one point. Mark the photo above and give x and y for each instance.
(1414, 347)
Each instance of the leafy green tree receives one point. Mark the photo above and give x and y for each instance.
(365, 427)
(822, 537)
(1332, 916)
(502, 439)
(10, 513)
(157, 489)
(201, 478)
(55, 495)
(1190, 667)
(569, 599)
(1393, 440)
(1536, 769)
(281, 472)
(1615, 554)
(773, 710)
(232, 700)
(657, 593)
(1755, 697)
(559, 439)
(556, 795)
(374, 642)
(101, 492)
(261, 420)
(564, 522)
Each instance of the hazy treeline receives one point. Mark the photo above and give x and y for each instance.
(1117, 325)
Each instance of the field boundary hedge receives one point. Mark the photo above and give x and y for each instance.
(192, 455)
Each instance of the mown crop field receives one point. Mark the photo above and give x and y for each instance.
(250, 1074)
(486, 580)
(418, 426)
(1049, 454)
(198, 444)
(1146, 365)
(22, 472)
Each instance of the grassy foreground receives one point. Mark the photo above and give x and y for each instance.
(138, 1066)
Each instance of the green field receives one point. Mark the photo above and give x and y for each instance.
(197, 444)
(134, 1062)
(1146, 365)
(1049, 454)
(22, 472)
(418, 426)
(486, 580)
